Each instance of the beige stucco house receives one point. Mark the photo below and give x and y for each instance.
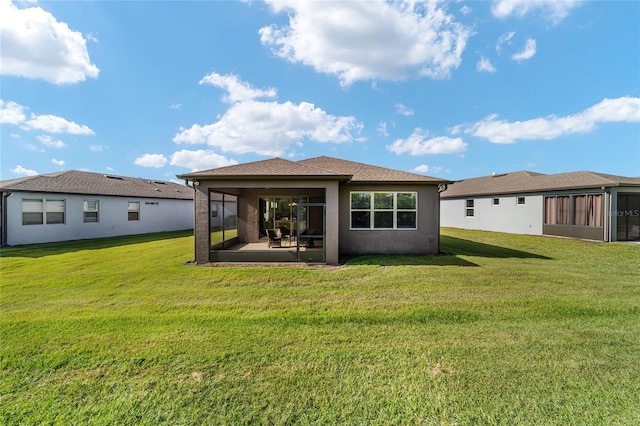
(315, 210)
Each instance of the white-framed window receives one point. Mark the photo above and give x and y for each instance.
(495, 202)
(520, 201)
(43, 211)
(384, 210)
(90, 210)
(134, 210)
(469, 208)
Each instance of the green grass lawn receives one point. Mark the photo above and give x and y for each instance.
(507, 330)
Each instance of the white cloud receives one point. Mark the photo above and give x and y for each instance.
(98, 148)
(200, 159)
(624, 109)
(19, 170)
(237, 90)
(266, 128)
(418, 144)
(382, 129)
(423, 168)
(176, 106)
(403, 109)
(57, 162)
(34, 148)
(527, 52)
(11, 113)
(484, 64)
(552, 10)
(109, 169)
(151, 160)
(46, 140)
(504, 38)
(465, 10)
(369, 40)
(53, 124)
(35, 45)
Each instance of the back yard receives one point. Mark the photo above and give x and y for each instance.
(507, 330)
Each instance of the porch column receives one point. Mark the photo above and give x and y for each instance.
(201, 224)
(332, 223)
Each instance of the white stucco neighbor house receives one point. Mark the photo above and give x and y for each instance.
(74, 205)
(587, 205)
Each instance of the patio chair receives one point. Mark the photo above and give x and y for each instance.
(285, 234)
(305, 237)
(275, 239)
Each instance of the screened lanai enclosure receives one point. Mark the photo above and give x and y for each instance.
(278, 225)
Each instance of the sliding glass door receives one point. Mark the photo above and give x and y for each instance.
(281, 212)
(628, 217)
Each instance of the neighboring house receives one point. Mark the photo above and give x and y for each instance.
(322, 207)
(73, 205)
(587, 205)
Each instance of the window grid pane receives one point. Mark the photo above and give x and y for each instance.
(406, 220)
(360, 200)
(361, 219)
(383, 201)
(55, 206)
(90, 216)
(383, 219)
(55, 218)
(32, 206)
(32, 218)
(91, 206)
(406, 200)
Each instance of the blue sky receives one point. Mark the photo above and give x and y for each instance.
(448, 89)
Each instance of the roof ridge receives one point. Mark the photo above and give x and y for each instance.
(244, 164)
(316, 167)
(605, 176)
(368, 165)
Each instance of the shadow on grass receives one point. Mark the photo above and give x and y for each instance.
(408, 260)
(51, 249)
(460, 246)
(451, 247)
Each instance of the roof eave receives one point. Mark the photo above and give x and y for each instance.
(538, 190)
(401, 182)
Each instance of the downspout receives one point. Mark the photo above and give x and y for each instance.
(608, 215)
(5, 195)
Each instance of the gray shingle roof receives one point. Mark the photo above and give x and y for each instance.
(319, 167)
(76, 182)
(527, 182)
